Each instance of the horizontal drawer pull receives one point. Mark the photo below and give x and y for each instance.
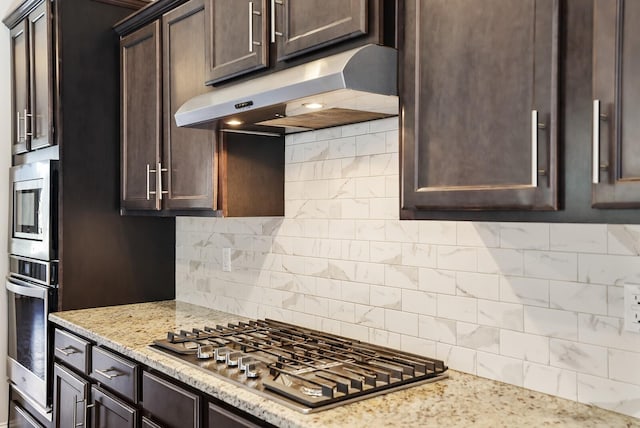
(67, 350)
(106, 372)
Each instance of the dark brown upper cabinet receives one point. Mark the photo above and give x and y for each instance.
(479, 103)
(31, 81)
(616, 103)
(241, 35)
(237, 39)
(163, 65)
(141, 86)
(170, 170)
(300, 26)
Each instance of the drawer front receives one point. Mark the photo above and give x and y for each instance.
(115, 372)
(169, 404)
(146, 423)
(72, 350)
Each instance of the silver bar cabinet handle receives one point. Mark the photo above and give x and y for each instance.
(75, 411)
(67, 350)
(250, 26)
(148, 190)
(534, 148)
(274, 33)
(106, 374)
(18, 126)
(27, 133)
(159, 171)
(595, 167)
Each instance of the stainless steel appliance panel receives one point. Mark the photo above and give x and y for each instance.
(28, 359)
(33, 213)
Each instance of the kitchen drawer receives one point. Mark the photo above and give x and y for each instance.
(115, 373)
(72, 350)
(168, 403)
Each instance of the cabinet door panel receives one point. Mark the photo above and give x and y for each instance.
(616, 132)
(189, 153)
(69, 398)
(20, 87)
(141, 117)
(170, 404)
(109, 412)
(236, 37)
(41, 110)
(470, 139)
(223, 418)
(312, 24)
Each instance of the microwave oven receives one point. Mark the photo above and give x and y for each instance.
(33, 215)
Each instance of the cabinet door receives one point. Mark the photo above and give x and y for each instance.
(141, 125)
(19, 87)
(616, 91)
(302, 26)
(109, 412)
(40, 118)
(189, 153)
(479, 105)
(236, 37)
(70, 394)
(169, 404)
(223, 418)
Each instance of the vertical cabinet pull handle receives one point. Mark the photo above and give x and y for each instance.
(252, 12)
(535, 126)
(534, 148)
(250, 26)
(274, 33)
(149, 192)
(18, 136)
(159, 171)
(596, 165)
(27, 128)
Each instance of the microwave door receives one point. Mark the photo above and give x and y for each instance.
(27, 215)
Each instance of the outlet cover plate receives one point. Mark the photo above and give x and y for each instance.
(226, 259)
(632, 307)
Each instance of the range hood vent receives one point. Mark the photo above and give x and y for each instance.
(353, 86)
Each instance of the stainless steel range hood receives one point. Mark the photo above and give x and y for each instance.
(352, 86)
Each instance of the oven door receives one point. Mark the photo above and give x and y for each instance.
(32, 216)
(28, 361)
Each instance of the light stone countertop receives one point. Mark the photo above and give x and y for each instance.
(462, 400)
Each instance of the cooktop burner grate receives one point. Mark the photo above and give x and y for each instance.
(303, 368)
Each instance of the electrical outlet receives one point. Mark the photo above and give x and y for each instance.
(226, 259)
(632, 307)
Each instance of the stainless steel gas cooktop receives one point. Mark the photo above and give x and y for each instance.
(304, 369)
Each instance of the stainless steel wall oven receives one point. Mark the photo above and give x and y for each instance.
(33, 278)
(32, 293)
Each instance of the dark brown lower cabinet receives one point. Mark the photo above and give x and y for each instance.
(169, 404)
(220, 417)
(70, 395)
(110, 412)
(146, 423)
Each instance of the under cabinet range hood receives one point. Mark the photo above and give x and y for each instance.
(353, 86)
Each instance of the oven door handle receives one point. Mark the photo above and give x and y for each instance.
(25, 289)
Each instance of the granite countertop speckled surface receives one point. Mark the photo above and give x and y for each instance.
(462, 400)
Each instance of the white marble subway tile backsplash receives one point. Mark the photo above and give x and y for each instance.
(533, 304)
